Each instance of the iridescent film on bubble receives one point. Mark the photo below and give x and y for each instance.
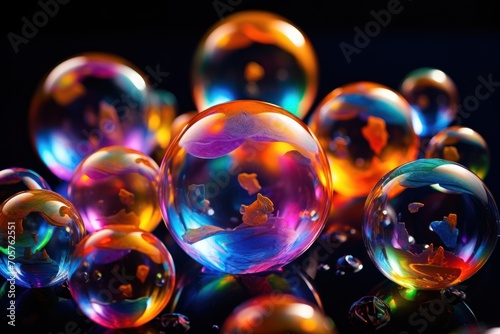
(245, 187)
(430, 224)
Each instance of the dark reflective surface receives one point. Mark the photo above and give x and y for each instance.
(458, 37)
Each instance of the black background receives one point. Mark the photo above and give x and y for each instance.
(460, 37)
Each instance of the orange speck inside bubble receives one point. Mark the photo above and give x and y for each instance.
(414, 206)
(126, 290)
(68, 90)
(375, 133)
(423, 101)
(142, 272)
(253, 71)
(256, 213)
(249, 182)
(339, 146)
(451, 153)
(436, 258)
(126, 197)
(451, 219)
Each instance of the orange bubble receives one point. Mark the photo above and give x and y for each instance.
(258, 55)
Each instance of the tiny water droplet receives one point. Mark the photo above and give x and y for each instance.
(324, 267)
(348, 264)
(83, 276)
(175, 322)
(96, 275)
(337, 237)
(453, 296)
(383, 217)
(215, 329)
(369, 312)
(159, 280)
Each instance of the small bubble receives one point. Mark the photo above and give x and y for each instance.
(83, 276)
(369, 312)
(453, 296)
(324, 267)
(96, 275)
(348, 264)
(359, 162)
(175, 322)
(159, 280)
(338, 237)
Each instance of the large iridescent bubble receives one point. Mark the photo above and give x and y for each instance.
(121, 276)
(433, 97)
(255, 55)
(463, 145)
(116, 185)
(366, 130)
(245, 187)
(430, 224)
(39, 230)
(86, 102)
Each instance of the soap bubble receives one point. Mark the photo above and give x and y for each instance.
(39, 231)
(255, 55)
(433, 97)
(116, 185)
(87, 102)
(463, 145)
(245, 187)
(121, 276)
(445, 228)
(365, 129)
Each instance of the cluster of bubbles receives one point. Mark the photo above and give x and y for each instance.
(245, 184)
